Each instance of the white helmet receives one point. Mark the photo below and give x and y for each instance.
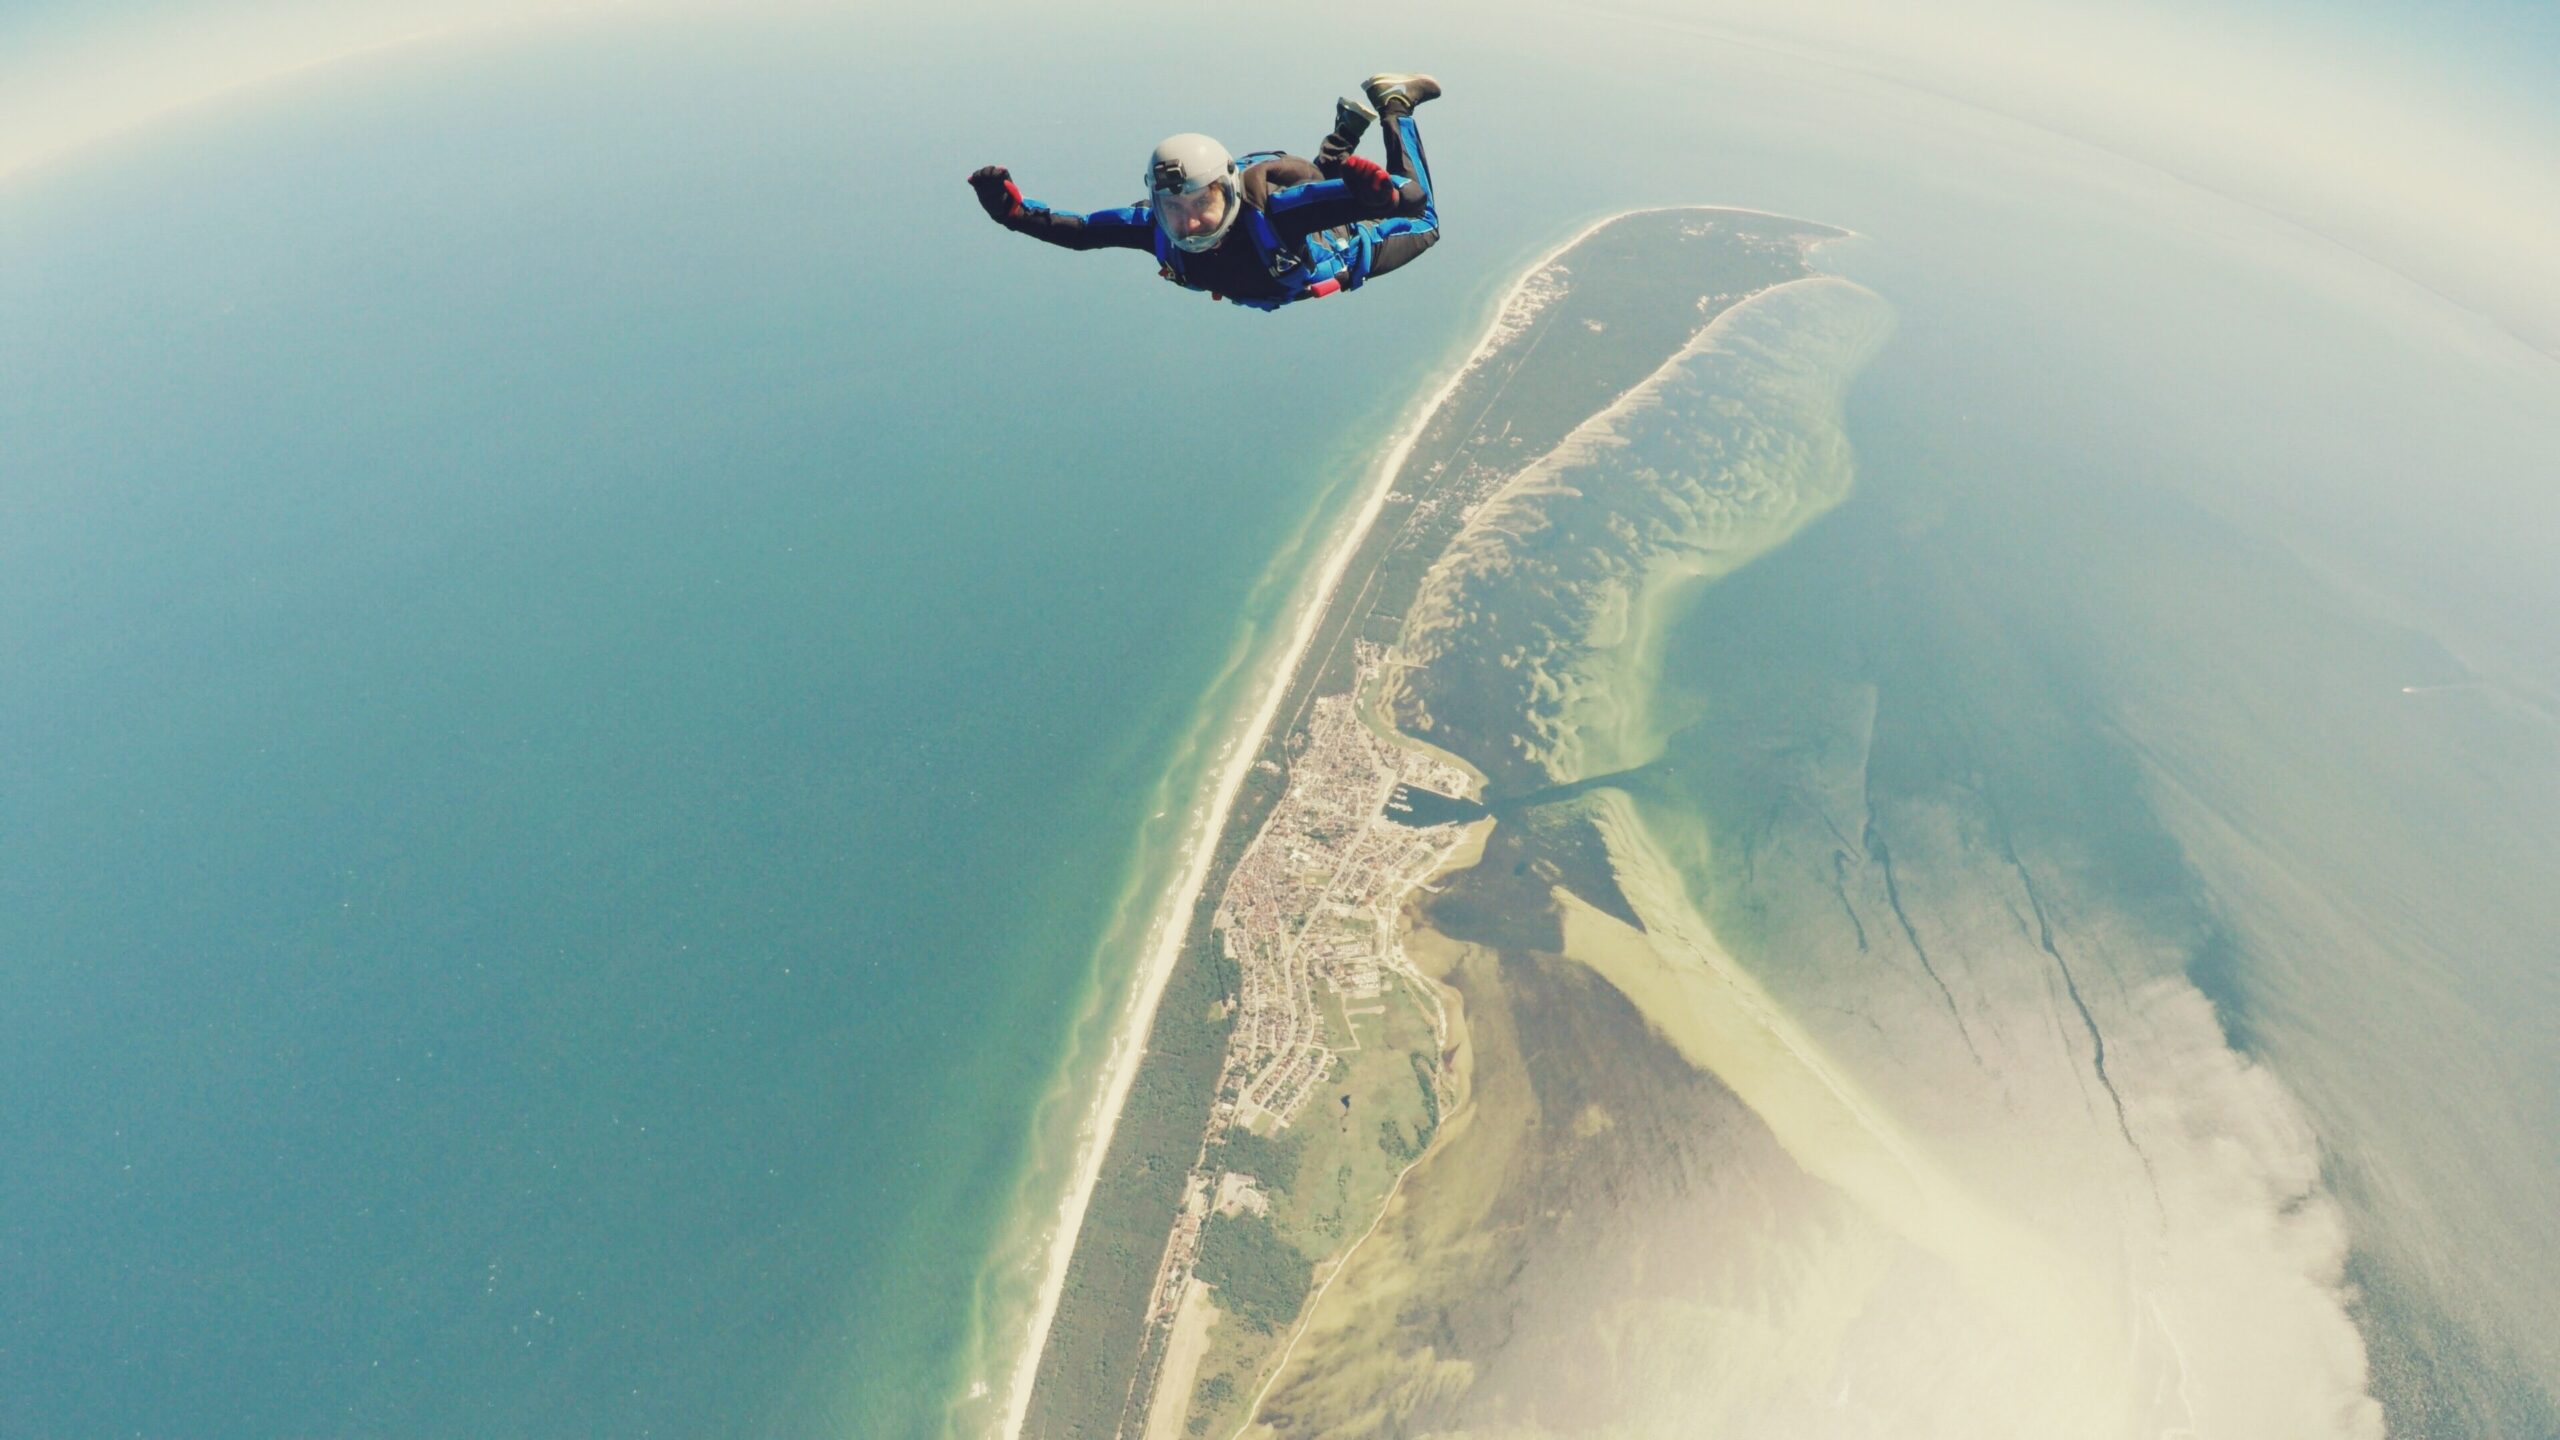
(1191, 182)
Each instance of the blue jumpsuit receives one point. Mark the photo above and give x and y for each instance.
(1302, 235)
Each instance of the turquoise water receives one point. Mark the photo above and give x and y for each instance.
(587, 648)
(586, 653)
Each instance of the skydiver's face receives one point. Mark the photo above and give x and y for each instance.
(1199, 213)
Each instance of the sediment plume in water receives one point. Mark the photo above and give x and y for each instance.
(1868, 1094)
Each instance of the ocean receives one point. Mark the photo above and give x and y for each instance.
(591, 655)
(594, 668)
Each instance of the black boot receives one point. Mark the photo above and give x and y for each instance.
(1399, 93)
(1351, 120)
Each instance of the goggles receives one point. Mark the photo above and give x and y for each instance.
(1196, 218)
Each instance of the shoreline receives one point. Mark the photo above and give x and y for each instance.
(1166, 930)
(1469, 855)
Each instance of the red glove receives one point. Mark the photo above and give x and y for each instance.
(1367, 178)
(997, 194)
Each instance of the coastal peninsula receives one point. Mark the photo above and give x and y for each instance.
(1304, 1046)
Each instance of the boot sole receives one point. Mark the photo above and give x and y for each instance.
(1376, 86)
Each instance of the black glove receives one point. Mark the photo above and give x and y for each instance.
(997, 194)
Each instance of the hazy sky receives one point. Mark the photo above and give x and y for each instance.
(2430, 144)
(2426, 137)
(72, 75)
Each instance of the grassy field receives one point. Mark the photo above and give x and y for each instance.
(1326, 1176)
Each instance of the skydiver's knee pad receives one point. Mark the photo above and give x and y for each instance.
(1391, 244)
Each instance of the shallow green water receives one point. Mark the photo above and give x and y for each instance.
(2119, 652)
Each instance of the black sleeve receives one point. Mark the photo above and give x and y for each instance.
(1131, 227)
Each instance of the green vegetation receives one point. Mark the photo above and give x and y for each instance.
(1261, 1277)
(1339, 1163)
(1084, 1380)
(1392, 1136)
(1214, 1395)
(1270, 1159)
(1426, 1074)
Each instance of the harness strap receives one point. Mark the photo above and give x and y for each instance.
(1325, 264)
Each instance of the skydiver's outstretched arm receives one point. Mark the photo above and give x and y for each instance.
(1131, 227)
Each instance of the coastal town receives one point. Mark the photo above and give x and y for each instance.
(1311, 908)
(1312, 1047)
(1310, 919)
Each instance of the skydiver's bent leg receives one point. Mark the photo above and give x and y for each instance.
(1351, 120)
(1396, 249)
(1416, 226)
(1406, 161)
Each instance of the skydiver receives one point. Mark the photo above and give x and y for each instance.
(1273, 228)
